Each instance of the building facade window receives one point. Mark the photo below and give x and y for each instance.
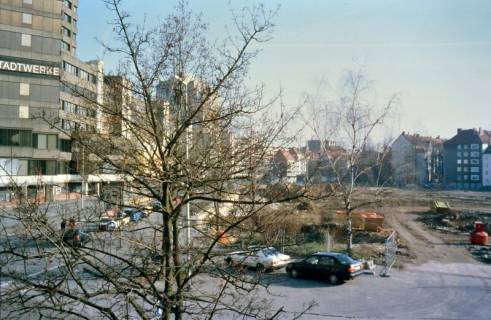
(84, 75)
(24, 89)
(67, 18)
(459, 146)
(24, 112)
(70, 68)
(68, 106)
(65, 32)
(65, 46)
(15, 137)
(27, 18)
(475, 177)
(466, 146)
(474, 161)
(475, 146)
(63, 167)
(68, 125)
(475, 169)
(459, 154)
(465, 154)
(41, 141)
(13, 167)
(67, 4)
(25, 40)
(475, 154)
(65, 145)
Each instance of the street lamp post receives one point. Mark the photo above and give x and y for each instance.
(188, 132)
(83, 176)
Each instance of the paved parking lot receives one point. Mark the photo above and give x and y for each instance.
(429, 291)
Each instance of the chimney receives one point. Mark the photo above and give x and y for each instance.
(459, 130)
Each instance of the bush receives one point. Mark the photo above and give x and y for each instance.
(313, 233)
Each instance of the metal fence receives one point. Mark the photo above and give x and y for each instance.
(390, 254)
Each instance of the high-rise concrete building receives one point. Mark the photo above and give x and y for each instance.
(40, 79)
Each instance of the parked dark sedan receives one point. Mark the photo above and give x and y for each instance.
(331, 266)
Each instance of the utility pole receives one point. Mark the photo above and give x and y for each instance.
(188, 133)
(188, 218)
(187, 222)
(83, 176)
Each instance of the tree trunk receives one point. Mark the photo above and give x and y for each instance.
(178, 268)
(168, 278)
(350, 232)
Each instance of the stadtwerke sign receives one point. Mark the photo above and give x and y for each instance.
(29, 68)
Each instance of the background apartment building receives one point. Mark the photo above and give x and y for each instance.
(463, 158)
(41, 78)
(416, 159)
(486, 168)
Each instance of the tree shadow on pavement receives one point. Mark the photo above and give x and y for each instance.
(282, 279)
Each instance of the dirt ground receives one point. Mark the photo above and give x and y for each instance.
(417, 241)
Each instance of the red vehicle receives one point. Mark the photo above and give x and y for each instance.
(479, 236)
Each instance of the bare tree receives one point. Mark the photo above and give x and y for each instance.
(348, 162)
(186, 136)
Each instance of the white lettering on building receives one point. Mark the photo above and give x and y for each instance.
(29, 68)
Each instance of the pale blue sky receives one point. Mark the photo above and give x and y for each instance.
(435, 54)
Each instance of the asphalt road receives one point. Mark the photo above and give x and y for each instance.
(429, 291)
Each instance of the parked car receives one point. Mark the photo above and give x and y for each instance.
(132, 213)
(123, 218)
(331, 266)
(156, 205)
(108, 224)
(75, 237)
(261, 258)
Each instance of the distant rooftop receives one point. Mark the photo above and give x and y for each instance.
(471, 136)
(419, 140)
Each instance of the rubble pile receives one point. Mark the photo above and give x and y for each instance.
(456, 222)
(482, 253)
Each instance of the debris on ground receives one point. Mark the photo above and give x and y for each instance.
(440, 206)
(482, 253)
(456, 222)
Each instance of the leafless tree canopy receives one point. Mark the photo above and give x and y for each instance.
(352, 162)
(175, 126)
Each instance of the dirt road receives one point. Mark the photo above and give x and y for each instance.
(425, 245)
